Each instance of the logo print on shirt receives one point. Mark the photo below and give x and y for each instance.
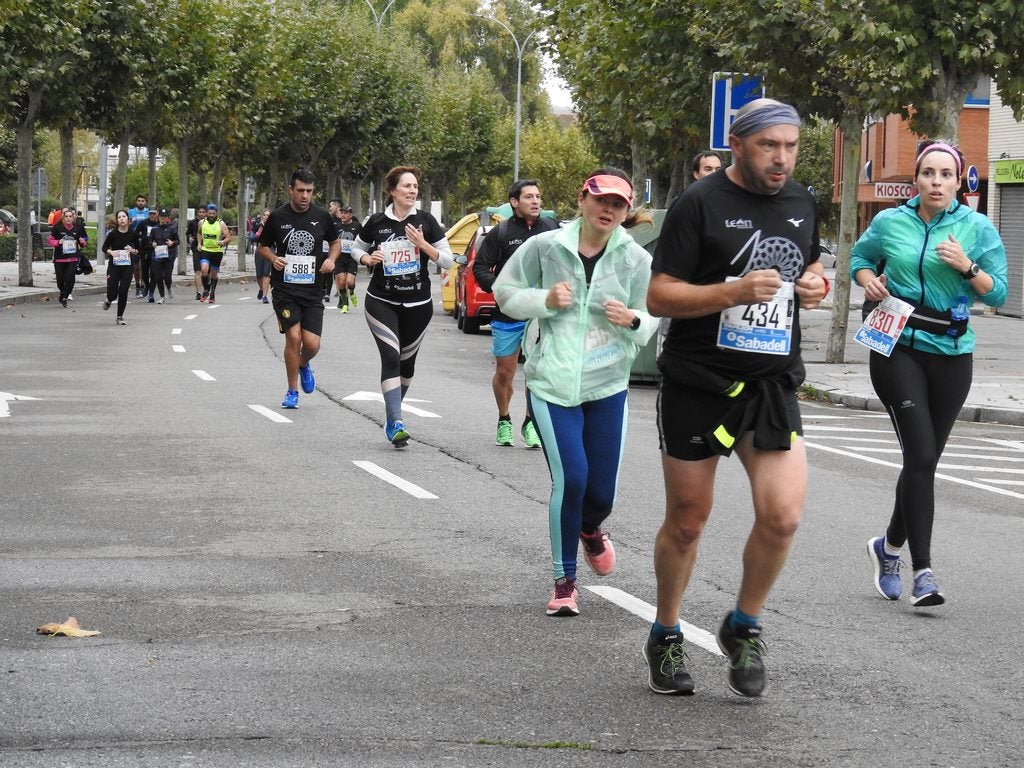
(779, 253)
(299, 242)
(795, 222)
(739, 224)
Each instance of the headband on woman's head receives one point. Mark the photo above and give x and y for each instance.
(606, 184)
(941, 146)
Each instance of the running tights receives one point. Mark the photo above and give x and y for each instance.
(119, 280)
(583, 446)
(398, 330)
(65, 274)
(161, 273)
(923, 393)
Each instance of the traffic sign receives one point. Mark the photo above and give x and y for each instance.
(729, 92)
(972, 178)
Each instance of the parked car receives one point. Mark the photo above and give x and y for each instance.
(473, 306)
(8, 222)
(458, 236)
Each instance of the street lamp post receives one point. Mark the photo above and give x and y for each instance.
(378, 18)
(520, 47)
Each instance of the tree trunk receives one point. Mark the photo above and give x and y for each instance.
(25, 134)
(241, 233)
(67, 166)
(201, 179)
(639, 153)
(151, 150)
(680, 168)
(122, 171)
(836, 349)
(218, 180)
(183, 252)
(354, 197)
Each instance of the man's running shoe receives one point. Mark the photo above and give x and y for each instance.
(170, 292)
(504, 436)
(887, 569)
(266, 300)
(106, 304)
(353, 299)
(205, 297)
(307, 379)
(291, 399)
(259, 295)
(120, 321)
(343, 309)
(396, 433)
(64, 302)
(151, 299)
(160, 300)
(530, 437)
(926, 591)
(213, 298)
(746, 652)
(666, 665)
(599, 552)
(563, 598)
(199, 296)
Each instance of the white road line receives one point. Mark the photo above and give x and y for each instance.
(647, 612)
(823, 428)
(212, 306)
(191, 317)
(175, 331)
(272, 415)
(395, 480)
(945, 455)
(245, 298)
(1004, 482)
(378, 397)
(177, 347)
(204, 375)
(939, 475)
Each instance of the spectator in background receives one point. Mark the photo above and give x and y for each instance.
(704, 164)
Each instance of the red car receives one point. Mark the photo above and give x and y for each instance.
(473, 306)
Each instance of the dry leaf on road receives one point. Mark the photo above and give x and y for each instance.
(69, 628)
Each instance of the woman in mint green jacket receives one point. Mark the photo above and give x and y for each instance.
(586, 286)
(940, 256)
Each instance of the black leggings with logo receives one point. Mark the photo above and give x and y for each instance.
(923, 393)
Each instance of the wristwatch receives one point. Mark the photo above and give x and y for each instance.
(971, 271)
(636, 323)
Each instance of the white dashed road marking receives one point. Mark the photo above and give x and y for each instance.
(175, 331)
(204, 375)
(177, 348)
(647, 612)
(395, 480)
(191, 317)
(272, 415)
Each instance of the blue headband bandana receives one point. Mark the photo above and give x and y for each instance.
(759, 118)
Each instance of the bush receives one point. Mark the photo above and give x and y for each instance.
(8, 247)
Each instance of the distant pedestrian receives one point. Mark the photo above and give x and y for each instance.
(121, 247)
(214, 237)
(346, 269)
(163, 240)
(67, 238)
(263, 267)
(938, 255)
(399, 244)
(586, 286)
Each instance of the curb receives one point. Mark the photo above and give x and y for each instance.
(31, 293)
(976, 413)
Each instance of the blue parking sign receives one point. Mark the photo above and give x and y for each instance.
(729, 92)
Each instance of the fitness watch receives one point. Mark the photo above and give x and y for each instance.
(635, 325)
(971, 271)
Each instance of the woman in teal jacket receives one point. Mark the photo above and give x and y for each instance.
(586, 285)
(938, 256)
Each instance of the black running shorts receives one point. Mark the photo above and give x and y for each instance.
(686, 415)
(298, 308)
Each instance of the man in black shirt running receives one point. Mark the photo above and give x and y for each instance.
(300, 241)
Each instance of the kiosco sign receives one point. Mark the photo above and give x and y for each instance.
(891, 190)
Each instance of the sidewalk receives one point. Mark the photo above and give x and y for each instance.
(44, 283)
(997, 392)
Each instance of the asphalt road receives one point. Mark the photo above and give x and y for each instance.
(269, 596)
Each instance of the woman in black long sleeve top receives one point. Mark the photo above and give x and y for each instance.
(120, 246)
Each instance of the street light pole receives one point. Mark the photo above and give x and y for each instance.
(519, 81)
(379, 18)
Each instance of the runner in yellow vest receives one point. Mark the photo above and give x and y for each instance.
(214, 237)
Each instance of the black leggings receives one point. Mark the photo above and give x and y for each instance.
(923, 393)
(398, 331)
(119, 280)
(161, 272)
(65, 273)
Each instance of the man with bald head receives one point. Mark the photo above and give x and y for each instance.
(736, 260)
